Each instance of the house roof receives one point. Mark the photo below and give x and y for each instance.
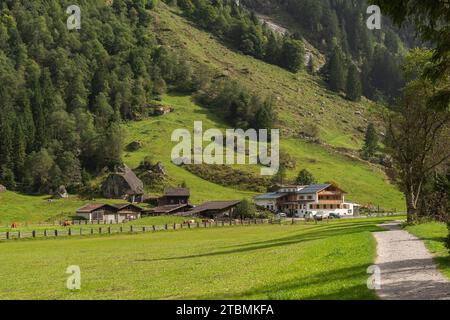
(91, 207)
(270, 196)
(314, 188)
(215, 205)
(177, 192)
(136, 185)
(126, 205)
(168, 208)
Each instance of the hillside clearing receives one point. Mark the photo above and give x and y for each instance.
(364, 184)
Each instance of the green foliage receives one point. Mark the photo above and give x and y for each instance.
(370, 142)
(447, 243)
(336, 70)
(245, 209)
(238, 106)
(305, 178)
(431, 21)
(293, 55)
(242, 29)
(353, 88)
(63, 92)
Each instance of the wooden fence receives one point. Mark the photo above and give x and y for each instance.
(102, 229)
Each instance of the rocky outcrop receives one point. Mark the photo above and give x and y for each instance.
(2, 188)
(61, 193)
(134, 146)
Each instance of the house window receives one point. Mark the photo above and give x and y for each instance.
(309, 197)
(331, 206)
(324, 206)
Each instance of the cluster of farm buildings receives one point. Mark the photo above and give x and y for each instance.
(295, 201)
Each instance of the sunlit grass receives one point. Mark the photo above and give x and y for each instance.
(323, 261)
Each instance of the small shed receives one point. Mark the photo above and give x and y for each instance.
(175, 196)
(110, 213)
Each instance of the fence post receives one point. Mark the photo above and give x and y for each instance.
(198, 224)
(92, 230)
(100, 230)
(70, 232)
(166, 226)
(143, 229)
(33, 233)
(189, 225)
(45, 233)
(121, 229)
(7, 235)
(109, 230)
(131, 228)
(56, 233)
(174, 226)
(154, 228)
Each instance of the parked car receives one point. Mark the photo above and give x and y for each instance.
(318, 217)
(281, 215)
(334, 216)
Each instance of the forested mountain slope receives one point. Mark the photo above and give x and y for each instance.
(70, 100)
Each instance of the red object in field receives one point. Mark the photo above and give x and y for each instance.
(67, 223)
(14, 225)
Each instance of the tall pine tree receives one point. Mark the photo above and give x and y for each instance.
(336, 70)
(353, 89)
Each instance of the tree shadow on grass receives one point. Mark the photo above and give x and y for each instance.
(340, 285)
(319, 233)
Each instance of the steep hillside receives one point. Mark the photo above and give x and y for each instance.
(301, 99)
(365, 184)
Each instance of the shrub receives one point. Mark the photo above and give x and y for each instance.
(448, 238)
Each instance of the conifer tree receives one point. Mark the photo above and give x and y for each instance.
(370, 142)
(337, 71)
(353, 89)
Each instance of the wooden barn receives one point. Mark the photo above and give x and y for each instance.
(110, 213)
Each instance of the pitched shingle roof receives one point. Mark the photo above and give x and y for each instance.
(169, 208)
(269, 196)
(314, 188)
(177, 192)
(215, 205)
(91, 207)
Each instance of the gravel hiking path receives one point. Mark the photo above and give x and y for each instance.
(408, 271)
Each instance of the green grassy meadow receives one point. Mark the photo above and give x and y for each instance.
(28, 209)
(434, 235)
(323, 261)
